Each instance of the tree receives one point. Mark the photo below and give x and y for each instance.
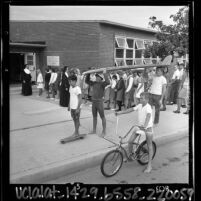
(171, 37)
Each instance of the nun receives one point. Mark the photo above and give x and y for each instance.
(26, 81)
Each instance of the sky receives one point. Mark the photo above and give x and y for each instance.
(129, 15)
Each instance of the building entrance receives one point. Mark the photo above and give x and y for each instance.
(16, 67)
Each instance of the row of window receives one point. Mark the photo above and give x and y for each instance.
(129, 51)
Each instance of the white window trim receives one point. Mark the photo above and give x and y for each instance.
(126, 45)
(137, 45)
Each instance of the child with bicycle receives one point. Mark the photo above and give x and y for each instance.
(145, 123)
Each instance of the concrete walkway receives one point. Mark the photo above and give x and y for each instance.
(38, 124)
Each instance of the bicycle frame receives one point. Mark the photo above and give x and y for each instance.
(119, 145)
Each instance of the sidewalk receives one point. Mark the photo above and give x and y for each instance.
(37, 125)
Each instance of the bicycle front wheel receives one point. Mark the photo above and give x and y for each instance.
(143, 152)
(111, 163)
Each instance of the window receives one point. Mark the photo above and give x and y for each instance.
(139, 44)
(138, 53)
(129, 51)
(119, 53)
(30, 60)
(129, 62)
(121, 42)
(138, 61)
(120, 62)
(130, 43)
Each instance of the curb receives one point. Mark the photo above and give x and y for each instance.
(54, 171)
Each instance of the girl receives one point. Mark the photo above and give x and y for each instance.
(40, 82)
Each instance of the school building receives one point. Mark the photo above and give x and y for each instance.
(80, 44)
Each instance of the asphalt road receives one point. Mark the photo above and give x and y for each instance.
(170, 165)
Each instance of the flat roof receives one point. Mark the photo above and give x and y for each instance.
(97, 21)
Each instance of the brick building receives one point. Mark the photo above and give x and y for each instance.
(80, 44)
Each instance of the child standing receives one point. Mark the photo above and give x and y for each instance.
(145, 123)
(39, 82)
(98, 87)
(140, 87)
(75, 102)
(113, 93)
(48, 72)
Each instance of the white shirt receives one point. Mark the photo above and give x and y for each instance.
(40, 77)
(142, 114)
(74, 92)
(53, 78)
(117, 77)
(113, 84)
(176, 75)
(181, 72)
(130, 83)
(157, 85)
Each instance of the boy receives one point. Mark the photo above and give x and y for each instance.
(157, 92)
(98, 88)
(145, 123)
(75, 102)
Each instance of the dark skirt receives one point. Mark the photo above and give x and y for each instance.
(64, 98)
(47, 88)
(26, 89)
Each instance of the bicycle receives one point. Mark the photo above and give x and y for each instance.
(115, 158)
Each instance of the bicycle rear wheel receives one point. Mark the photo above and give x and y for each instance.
(111, 163)
(143, 153)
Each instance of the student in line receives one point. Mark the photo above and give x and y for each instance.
(48, 72)
(52, 83)
(157, 92)
(40, 82)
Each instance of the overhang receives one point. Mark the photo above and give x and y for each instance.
(18, 44)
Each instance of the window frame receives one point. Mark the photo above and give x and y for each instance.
(126, 47)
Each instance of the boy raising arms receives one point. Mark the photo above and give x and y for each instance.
(145, 123)
(75, 102)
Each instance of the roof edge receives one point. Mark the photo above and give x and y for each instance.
(98, 21)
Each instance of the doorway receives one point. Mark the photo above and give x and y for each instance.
(16, 67)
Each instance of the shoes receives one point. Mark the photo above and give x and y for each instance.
(113, 109)
(162, 109)
(185, 112)
(176, 111)
(47, 97)
(52, 98)
(184, 106)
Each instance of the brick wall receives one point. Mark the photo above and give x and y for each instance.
(78, 44)
(75, 43)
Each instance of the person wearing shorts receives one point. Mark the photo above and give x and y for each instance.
(98, 87)
(145, 124)
(75, 102)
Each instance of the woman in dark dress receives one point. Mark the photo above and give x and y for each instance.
(26, 81)
(64, 88)
(120, 88)
(47, 80)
